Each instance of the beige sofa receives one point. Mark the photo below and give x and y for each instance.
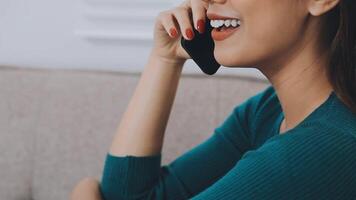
(56, 125)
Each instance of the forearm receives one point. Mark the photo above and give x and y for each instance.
(141, 129)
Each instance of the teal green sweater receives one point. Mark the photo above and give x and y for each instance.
(246, 158)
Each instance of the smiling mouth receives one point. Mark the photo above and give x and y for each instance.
(222, 25)
(223, 29)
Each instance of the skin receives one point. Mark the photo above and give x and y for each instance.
(278, 37)
(86, 189)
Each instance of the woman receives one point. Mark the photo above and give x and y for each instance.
(294, 140)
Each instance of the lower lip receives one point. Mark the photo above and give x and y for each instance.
(222, 35)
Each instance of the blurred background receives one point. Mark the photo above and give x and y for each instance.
(67, 72)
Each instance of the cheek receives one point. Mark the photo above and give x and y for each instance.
(275, 39)
(267, 20)
(255, 41)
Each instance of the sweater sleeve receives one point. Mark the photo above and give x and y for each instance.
(143, 177)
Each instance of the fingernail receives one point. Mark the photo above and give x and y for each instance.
(201, 26)
(173, 32)
(189, 33)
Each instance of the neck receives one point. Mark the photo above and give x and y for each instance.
(301, 85)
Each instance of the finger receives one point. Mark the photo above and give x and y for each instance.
(183, 17)
(199, 9)
(169, 24)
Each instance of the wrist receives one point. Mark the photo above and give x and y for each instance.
(166, 60)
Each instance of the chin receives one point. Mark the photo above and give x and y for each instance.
(237, 59)
(230, 61)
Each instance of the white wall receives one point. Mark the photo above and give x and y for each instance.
(83, 34)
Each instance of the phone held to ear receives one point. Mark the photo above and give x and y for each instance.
(201, 49)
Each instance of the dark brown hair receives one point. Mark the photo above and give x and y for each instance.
(339, 30)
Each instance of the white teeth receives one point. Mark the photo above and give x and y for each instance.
(218, 23)
(234, 23)
(227, 22)
(215, 23)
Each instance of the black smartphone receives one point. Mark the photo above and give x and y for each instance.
(201, 49)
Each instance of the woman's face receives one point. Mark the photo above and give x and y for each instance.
(269, 29)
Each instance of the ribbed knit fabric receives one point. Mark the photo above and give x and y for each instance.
(247, 158)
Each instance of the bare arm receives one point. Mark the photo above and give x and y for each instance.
(142, 127)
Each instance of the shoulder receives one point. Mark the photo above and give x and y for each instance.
(237, 126)
(339, 118)
(258, 100)
(258, 114)
(240, 123)
(252, 107)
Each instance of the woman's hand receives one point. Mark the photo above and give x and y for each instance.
(176, 22)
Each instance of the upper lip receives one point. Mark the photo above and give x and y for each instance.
(213, 16)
